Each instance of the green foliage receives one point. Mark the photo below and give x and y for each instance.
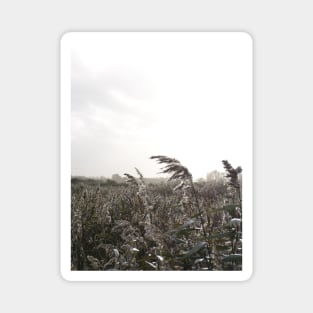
(195, 249)
(174, 225)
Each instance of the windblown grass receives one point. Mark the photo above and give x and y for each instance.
(177, 225)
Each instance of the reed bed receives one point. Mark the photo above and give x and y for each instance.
(174, 225)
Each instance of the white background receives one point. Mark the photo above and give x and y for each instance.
(29, 136)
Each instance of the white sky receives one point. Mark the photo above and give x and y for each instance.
(183, 95)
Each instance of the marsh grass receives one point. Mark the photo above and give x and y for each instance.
(176, 225)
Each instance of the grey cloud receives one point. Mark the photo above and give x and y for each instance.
(92, 94)
(95, 86)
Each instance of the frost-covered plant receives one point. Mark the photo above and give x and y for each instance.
(233, 177)
(184, 177)
(175, 225)
(142, 194)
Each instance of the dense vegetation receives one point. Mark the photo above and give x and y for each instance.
(175, 225)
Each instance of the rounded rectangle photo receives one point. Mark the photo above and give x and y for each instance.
(156, 156)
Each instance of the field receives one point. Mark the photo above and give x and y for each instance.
(177, 224)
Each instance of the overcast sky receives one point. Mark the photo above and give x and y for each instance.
(183, 95)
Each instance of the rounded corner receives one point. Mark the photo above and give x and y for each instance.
(248, 276)
(65, 37)
(248, 36)
(65, 276)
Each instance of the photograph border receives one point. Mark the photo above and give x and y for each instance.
(65, 184)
